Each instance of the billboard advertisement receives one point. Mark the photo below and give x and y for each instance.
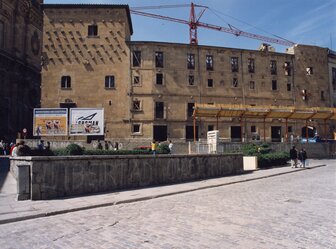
(50, 122)
(86, 121)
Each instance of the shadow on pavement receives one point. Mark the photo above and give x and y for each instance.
(4, 170)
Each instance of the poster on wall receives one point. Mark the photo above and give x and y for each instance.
(50, 122)
(86, 121)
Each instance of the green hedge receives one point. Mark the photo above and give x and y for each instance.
(266, 157)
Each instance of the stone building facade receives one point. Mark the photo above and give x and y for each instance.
(21, 26)
(86, 60)
(148, 89)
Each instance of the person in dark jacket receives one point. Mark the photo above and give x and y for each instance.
(303, 157)
(293, 154)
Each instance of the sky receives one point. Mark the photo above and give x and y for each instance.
(311, 22)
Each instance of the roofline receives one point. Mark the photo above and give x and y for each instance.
(202, 46)
(92, 6)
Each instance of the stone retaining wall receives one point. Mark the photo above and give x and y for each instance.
(53, 177)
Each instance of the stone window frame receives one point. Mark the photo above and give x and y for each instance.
(66, 82)
(235, 82)
(162, 79)
(190, 109)
(309, 71)
(136, 105)
(136, 80)
(159, 59)
(251, 65)
(273, 67)
(191, 80)
(110, 82)
(92, 30)
(287, 68)
(136, 58)
(252, 85)
(275, 85)
(159, 114)
(209, 62)
(234, 61)
(191, 61)
(210, 83)
(137, 131)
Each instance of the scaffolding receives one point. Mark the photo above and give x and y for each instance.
(264, 112)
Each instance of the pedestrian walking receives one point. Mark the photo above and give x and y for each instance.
(153, 147)
(170, 146)
(293, 156)
(303, 157)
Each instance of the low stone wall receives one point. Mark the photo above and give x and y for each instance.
(53, 177)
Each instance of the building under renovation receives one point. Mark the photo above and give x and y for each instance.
(20, 65)
(149, 89)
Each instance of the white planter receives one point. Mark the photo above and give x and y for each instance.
(250, 162)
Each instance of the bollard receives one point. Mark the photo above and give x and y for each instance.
(23, 182)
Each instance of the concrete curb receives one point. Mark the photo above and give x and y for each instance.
(150, 197)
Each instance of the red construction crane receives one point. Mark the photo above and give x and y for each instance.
(194, 23)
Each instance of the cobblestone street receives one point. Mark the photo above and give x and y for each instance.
(296, 210)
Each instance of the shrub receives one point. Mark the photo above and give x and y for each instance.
(73, 149)
(272, 159)
(163, 149)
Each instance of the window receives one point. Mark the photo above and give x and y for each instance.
(159, 79)
(136, 58)
(289, 87)
(109, 81)
(290, 129)
(191, 61)
(210, 82)
(92, 30)
(287, 67)
(159, 59)
(66, 82)
(191, 80)
(136, 105)
(209, 62)
(251, 68)
(322, 95)
(2, 34)
(235, 82)
(136, 80)
(211, 127)
(273, 67)
(252, 85)
(253, 128)
(190, 109)
(159, 110)
(274, 85)
(136, 128)
(234, 64)
(333, 78)
(309, 70)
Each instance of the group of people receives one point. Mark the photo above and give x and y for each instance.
(154, 146)
(296, 155)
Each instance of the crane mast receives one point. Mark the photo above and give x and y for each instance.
(194, 23)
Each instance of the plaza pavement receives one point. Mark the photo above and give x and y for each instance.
(12, 210)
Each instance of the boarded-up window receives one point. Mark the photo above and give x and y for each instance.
(136, 58)
(159, 110)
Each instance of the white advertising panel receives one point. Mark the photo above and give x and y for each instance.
(86, 121)
(50, 122)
